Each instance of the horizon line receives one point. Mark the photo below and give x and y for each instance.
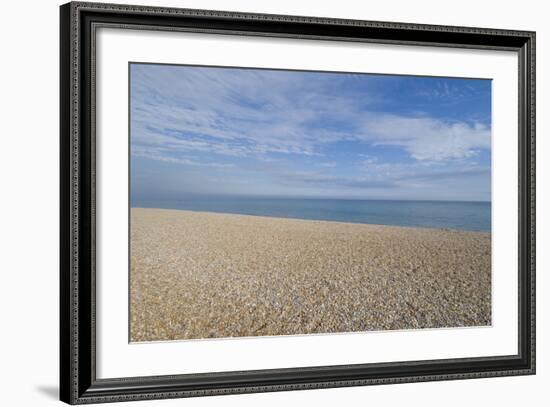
(304, 198)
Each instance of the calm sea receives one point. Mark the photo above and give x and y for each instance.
(474, 216)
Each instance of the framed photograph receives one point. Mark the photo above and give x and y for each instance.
(255, 203)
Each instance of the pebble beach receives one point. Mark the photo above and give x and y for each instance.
(197, 275)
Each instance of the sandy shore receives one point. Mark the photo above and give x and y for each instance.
(206, 275)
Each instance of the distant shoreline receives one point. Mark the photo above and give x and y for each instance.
(200, 275)
(318, 198)
(311, 220)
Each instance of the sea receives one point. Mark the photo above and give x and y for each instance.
(472, 216)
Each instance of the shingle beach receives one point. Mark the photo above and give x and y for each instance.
(208, 275)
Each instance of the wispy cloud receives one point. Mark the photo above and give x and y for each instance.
(234, 112)
(385, 175)
(236, 118)
(153, 154)
(323, 180)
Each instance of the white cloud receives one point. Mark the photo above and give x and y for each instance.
(427, 138)
(252, 113)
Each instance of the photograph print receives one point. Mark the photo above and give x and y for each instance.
(282, 202)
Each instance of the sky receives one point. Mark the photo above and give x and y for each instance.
(279, 133)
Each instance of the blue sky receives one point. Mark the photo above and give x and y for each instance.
(229, 131)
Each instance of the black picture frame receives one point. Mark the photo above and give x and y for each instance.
(78, 382)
